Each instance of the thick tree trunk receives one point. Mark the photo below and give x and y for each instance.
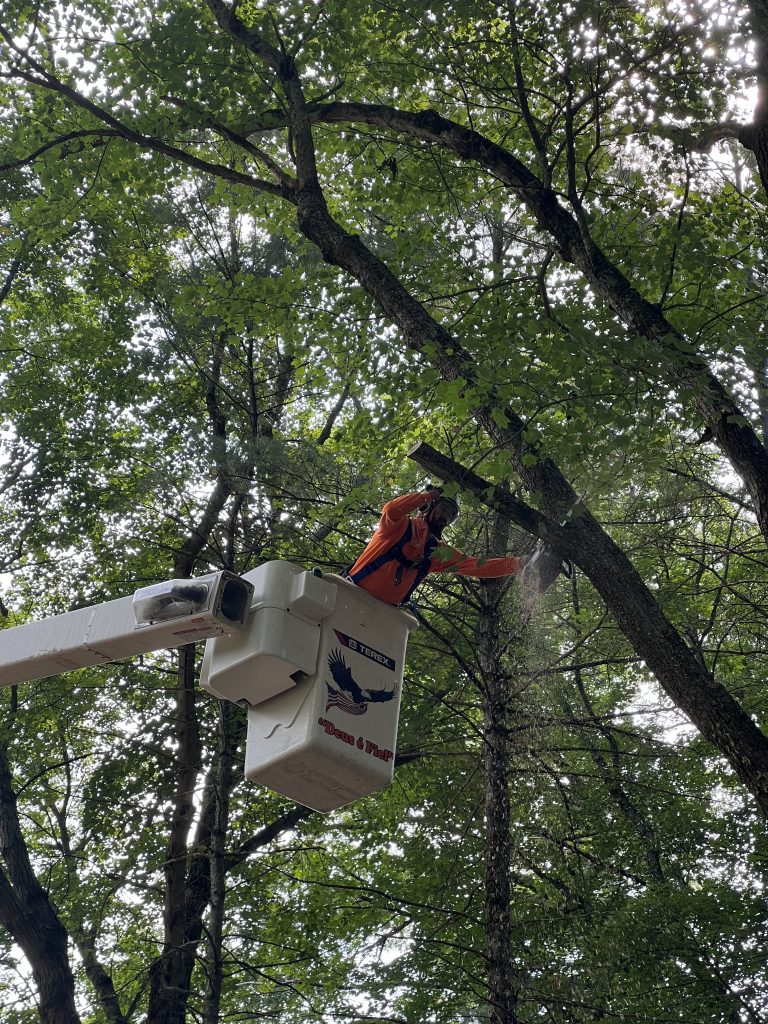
(701, 963)
(755, 135)
(223, 781)
(187, 878)
(172, 971)
(707, 704)
(687, 370)
(29, 917)
(710, 707)
(653, 637)
(502, 989)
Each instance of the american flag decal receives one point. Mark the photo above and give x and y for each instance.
(339, 700)
(348, 695)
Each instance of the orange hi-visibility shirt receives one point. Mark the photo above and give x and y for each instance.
(392, 525)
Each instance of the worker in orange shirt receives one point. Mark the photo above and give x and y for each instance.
(404, 549)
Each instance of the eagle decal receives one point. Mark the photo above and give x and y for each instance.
(348, 695)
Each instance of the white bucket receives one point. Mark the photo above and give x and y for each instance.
(332, 738)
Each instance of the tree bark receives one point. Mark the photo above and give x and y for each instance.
(710, 707)
(187, 878)
(502, 989)
(688, 371)
(728, 426)
(707, 704)
(29, 916)
(223, 782)
(172, 971)
(755, 135)
(100, 980)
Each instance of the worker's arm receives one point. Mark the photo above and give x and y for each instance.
(395, 512)
(448, 559)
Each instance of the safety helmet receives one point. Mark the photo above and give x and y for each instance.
(454, 502)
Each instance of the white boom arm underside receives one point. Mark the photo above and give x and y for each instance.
(165, 615)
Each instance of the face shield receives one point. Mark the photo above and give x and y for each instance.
(441, 513)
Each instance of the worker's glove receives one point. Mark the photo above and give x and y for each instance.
(434, 492)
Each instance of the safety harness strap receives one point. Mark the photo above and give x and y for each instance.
(422, 568)
(395, 553)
